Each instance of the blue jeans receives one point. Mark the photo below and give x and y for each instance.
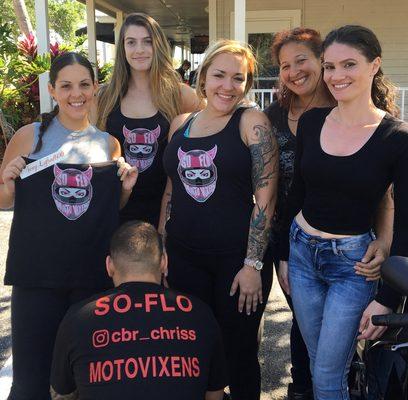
(329, 300)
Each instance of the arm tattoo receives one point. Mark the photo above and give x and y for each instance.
(71, 396)
(258, 233)
(263, 153)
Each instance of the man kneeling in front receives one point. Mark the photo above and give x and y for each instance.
(138, 340)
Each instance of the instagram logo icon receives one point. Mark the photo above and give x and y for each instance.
(100, 338)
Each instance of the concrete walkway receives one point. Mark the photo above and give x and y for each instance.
(274, 350)
(6, 376)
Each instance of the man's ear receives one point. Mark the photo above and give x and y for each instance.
(110, 266)
(163, 264)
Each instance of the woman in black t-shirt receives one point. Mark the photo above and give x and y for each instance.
(346, 158)
(137, 106)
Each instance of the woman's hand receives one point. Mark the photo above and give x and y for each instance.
(11, 172)
(370, 265)
(283, 276)
(128, 175)
(367, 330)
(250, 288)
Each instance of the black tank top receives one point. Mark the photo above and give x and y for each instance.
(64, 217)
(143, 141)
(212, 198)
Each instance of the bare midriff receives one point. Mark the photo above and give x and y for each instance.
(300, 219)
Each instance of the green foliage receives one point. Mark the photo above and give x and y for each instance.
(65, 16)
(105, 72)
(261, 44)
(8, 14)
(7, 44)
(19, 68)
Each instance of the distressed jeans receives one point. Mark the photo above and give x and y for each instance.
(329, 300)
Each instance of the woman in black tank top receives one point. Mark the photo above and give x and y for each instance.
(136, 107)
(217, 162)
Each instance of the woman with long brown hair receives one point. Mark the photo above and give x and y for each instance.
(145, 93)
(297, 52)
(346, 158)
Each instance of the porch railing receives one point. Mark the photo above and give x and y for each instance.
(264, 97)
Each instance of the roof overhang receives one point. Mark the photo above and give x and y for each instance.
(180, 19)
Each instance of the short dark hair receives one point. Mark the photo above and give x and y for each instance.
(136, 246)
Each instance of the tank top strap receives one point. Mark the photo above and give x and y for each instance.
(116, 112)
(36, 135)
(187, 124)
(184, 128)
(236, 116)
(233, 124)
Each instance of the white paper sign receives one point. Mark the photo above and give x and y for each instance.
(45, 162)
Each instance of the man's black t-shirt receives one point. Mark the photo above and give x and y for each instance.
(139, 341)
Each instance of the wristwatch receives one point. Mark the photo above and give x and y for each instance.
(255, 264)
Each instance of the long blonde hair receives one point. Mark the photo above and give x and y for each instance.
(231, 47)
(164, 80)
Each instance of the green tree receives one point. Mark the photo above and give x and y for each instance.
(65, 16)
(22, 16)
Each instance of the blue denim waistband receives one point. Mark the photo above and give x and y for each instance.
(346, 243)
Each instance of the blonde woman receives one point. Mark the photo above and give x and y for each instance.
(217, 161)
(137, 106)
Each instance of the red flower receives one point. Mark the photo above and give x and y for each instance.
(54, 50)
(28, 46)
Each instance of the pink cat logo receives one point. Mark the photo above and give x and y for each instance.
(72, 191)
(198, 172)
(140, 146)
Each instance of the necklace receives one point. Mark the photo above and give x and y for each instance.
(307, 105)
(304, 110)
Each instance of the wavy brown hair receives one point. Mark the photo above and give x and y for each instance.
(164, 80)
(383, 92)
(307, 37)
